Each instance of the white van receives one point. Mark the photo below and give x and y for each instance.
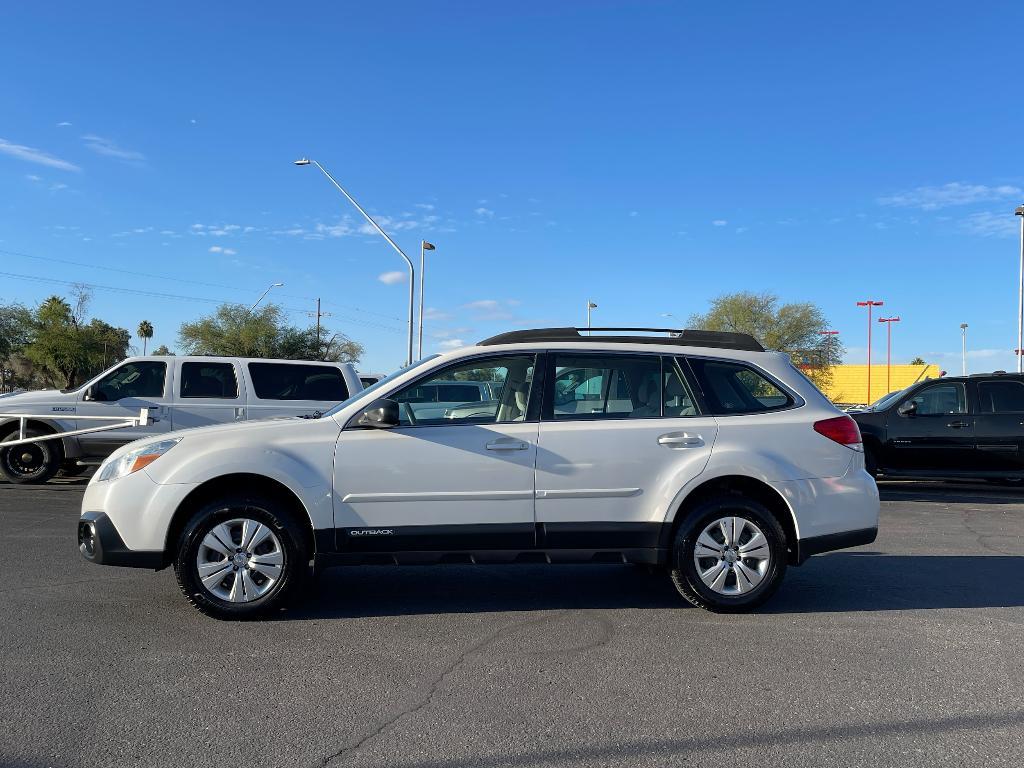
(180, 392)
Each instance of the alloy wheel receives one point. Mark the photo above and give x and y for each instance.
(732, 556)
(240, 560)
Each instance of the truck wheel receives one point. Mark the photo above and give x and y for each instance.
(240, 557)
(30, 462)
(729, 555)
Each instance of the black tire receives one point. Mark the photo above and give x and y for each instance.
(684, 569)
(290, 542)
(31, 462)
(870, 462)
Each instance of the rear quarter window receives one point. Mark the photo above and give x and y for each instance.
(284, 381)
(735, 388)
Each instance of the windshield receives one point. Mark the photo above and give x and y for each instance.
(884, 402)
(374, 387)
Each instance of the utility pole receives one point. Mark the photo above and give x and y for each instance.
(319, 314)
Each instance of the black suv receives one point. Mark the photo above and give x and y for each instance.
(956, 426)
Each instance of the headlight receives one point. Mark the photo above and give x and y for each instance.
(135, 460)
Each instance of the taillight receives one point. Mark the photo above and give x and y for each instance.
(842, 429)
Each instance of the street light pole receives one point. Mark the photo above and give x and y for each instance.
(888, 349)
(590, 305)
(963, 346)
(424, 247)
(382, 233)
(1020, 295)
(869, 304)
(272, 285)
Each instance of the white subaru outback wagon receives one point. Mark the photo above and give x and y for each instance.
(696, 452)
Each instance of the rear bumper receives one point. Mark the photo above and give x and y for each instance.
(833, 541)
(100, 543)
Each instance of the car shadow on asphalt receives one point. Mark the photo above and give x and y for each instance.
(833, 583)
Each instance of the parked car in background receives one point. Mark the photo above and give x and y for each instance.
(953, 427)
(179, 391)
(369, 379)
(700, 453)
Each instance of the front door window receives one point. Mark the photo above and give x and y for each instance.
(144, 378)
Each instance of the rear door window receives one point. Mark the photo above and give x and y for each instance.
(287, 381)
(735, 388)
(215, 380)
(1001, 396)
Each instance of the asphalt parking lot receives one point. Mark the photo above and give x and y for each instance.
(909, 651)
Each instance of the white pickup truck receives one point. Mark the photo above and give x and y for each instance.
(179, 391)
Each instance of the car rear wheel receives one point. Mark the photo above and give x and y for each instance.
(729, 555)
(241, 558)
(30, 462)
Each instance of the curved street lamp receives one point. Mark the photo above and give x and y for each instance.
(272, 285)
(376, 226)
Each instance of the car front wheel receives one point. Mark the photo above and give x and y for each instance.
(729, 555)
(240, 558)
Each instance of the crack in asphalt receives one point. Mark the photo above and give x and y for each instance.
(606, 634)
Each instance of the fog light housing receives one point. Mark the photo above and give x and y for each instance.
(87, 539)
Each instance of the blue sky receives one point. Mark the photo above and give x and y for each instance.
(648, 156)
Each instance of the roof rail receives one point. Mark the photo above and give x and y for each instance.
(681, 337)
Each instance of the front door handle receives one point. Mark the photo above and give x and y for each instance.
(680, 440)
(959, 424)
(239, 413)
(507, 444)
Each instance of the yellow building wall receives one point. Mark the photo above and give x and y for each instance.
(850, 382)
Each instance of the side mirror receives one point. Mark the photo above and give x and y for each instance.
(380, 414)
(90, 394)
(908, 408)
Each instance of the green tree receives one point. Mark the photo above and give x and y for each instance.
(64, 349)
(15, 333)
(796, 329)
(918, 361)
(162, 350)
(235, 331)
(144, 332)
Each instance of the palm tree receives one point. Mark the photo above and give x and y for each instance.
(145, 332)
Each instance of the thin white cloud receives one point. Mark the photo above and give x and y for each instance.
(991, 224)
(432, 313)
(719, 223)
(484, 212)
(32, 155)
(225, 251)
(930, 198)
(452, 344)
(484, 304)
(63, 124)
(424, 206)
(108, 148)
(33, 177)
(392, 278)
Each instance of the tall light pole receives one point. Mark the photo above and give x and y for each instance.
(382, 233)
(1020, 295)
(888, 349)
(869, 304)
(424, 247)
(272, 285)
(590, 305)
(963, 346)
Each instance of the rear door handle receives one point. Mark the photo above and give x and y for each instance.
(959, 424)
(507, 444)
(680, 440)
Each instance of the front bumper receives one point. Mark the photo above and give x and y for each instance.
(99, 542)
